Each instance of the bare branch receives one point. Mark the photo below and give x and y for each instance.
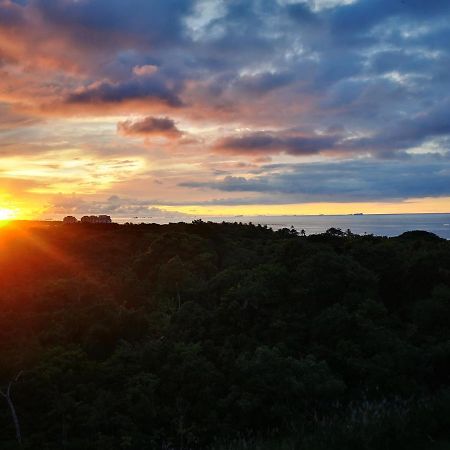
(12, 408)
(18, 375)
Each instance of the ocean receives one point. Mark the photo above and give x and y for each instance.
(378, 224)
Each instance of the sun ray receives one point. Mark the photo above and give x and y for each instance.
(72, 264)
(6, 214)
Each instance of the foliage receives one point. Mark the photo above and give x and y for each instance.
(223, 336)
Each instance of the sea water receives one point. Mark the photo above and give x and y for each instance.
(378, 224)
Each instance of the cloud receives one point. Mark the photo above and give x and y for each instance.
(10, 119)
(250, 79)
(263, 82)
(100, 55)
(263, 143)
(116, 206)
(148, 89)
(18, 186)
(363, 15)
(410, 132)
(145, 70)
(302, 13)
(363, 180)
(156, 23)
(150, 126)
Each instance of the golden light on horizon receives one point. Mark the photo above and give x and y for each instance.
(410, 206)
(7, 214)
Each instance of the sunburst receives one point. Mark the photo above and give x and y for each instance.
(6, 214)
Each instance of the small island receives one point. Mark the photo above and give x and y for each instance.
(88, 219)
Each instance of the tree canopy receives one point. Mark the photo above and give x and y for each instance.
(208, 335)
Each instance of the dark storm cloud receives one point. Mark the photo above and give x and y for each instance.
(269, 143)
(364, 180)
(135, 89)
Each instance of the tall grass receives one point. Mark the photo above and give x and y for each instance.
(393, 424)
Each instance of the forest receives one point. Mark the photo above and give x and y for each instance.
(222, 336)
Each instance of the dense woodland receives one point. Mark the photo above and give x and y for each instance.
(222, 336)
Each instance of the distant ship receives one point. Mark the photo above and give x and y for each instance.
(357, 214)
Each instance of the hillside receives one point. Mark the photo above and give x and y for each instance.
(223, 336)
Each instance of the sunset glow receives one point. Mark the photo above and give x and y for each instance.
(225, 224)
(214, 107)
(6, 214)
(413, 206)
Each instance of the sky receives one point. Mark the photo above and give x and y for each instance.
(214, 107)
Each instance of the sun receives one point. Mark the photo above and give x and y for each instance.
(6, 214)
